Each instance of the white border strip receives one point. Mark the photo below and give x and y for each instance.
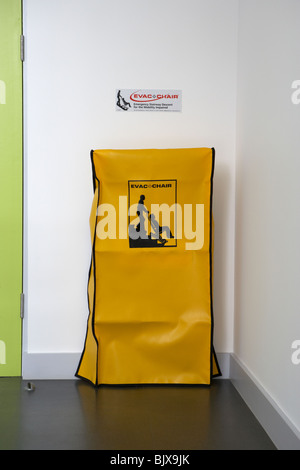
(278, 426)
(49, 366)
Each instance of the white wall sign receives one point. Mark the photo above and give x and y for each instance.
(148, 100)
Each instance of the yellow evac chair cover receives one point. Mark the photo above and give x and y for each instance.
(151, 275)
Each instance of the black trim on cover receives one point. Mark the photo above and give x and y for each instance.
(150, 384)
(92, 263)
(219, 373)
(94, 300)
(212, 352)
(93, 169)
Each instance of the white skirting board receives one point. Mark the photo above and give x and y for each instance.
(62, 366)
(274, 421)
(50, 366)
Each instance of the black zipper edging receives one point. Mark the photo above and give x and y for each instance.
(212, 352)
(92, 263)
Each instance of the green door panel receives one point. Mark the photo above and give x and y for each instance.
(11, 190)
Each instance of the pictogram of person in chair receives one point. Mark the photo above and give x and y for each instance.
(158, 230)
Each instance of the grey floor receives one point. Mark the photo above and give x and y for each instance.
(73, 415)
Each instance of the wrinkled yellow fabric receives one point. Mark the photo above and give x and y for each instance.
(150, 301)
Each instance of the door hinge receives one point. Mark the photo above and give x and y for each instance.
(22, 47)
(22, 301)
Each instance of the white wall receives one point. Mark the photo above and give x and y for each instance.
(77, 53)
(267, 293)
